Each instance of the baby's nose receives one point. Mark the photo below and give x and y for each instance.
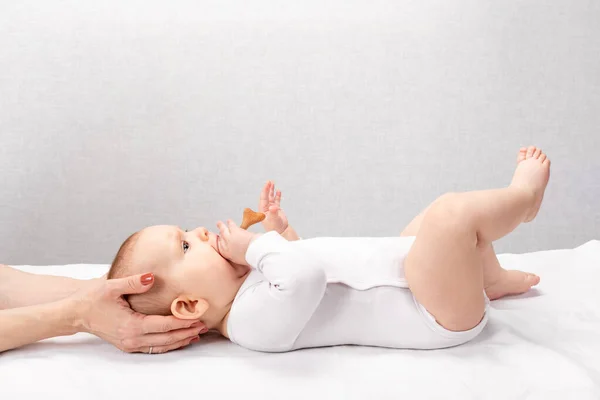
(202, 233)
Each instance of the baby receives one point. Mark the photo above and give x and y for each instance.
(427, 288)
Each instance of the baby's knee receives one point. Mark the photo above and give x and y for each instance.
(450, 207)
(449, 210)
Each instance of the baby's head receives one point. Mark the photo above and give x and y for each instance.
(191, 278)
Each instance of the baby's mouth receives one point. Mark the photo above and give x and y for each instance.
(213, 241)
(217, 245)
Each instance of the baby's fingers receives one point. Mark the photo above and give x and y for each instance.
(223, 229)
(264, 197)
(272, 193)
(233, 227)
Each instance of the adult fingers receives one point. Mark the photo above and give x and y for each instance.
(164, 349)
(167, 323)
(164, 339)
(129, 285)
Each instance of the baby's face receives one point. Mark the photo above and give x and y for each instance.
(190, 263)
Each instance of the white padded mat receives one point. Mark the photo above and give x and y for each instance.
(542, 345)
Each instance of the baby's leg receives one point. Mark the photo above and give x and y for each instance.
(444, 266)
(413, 227)
(497, 281)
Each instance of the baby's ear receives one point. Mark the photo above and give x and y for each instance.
(187, 307)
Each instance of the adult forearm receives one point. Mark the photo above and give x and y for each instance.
(21, 326)
(22, 289)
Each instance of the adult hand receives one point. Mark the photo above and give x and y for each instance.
(102, 311)
(233, 241)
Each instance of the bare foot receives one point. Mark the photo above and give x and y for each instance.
(532, 174)
(511, 282)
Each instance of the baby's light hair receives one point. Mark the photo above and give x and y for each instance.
(157, 300)
(121, 260)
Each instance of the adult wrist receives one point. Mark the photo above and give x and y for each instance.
(68, 316)
(76, 311)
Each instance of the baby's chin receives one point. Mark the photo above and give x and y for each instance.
(239, 270)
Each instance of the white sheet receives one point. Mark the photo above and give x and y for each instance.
(543, 345)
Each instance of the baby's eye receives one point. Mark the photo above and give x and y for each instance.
(185, 245)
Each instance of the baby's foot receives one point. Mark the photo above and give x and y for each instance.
(532, 173)
(511, 282)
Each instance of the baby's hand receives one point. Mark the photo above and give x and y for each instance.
(269, 204)
(233, 241)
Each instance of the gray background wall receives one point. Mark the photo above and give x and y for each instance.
(115, 116)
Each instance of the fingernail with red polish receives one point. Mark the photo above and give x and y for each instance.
(194, 340)
(204, 330)
(147, 279)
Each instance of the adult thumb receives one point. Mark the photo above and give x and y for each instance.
(132, 284)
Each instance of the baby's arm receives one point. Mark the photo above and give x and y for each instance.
(270, 315)
(275, 218)
(290, 234)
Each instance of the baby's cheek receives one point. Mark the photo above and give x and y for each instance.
(189, 273)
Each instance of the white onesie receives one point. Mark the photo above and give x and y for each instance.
(333, 291)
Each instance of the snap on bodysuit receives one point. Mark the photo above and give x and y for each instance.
(329, 291)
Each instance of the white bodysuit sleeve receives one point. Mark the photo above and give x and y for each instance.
(270, 315)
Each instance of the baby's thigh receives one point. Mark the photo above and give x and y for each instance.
(443, 271)
(415, 225)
